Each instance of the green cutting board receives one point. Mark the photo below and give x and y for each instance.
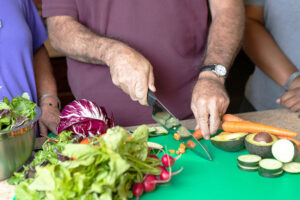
(220, 178)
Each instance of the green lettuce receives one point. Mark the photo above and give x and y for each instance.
(104, 170)
(16, 112)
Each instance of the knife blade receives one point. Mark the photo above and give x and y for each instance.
(167, 120)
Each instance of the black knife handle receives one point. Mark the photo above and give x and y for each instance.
(151, 98)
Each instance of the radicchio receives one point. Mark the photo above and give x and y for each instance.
(84, 118)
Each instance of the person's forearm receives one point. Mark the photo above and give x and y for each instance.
(260, 46)
(78, 42)
(225, 33)
(45, 81)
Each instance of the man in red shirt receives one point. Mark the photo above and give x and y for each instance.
(116, 48)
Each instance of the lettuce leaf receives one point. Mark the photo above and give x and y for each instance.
(16, 112)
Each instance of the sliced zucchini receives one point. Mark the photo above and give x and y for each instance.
(270, 175)
(249, 160)
(157, 131)
(245, 168)
(270, 166)
(154, 145)
(292, 167)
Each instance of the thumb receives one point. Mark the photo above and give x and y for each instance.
(151, 80)
(278, 101)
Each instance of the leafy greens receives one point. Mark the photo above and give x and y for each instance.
(106, 169)
(16, 112)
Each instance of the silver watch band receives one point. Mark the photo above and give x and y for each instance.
(290, 80)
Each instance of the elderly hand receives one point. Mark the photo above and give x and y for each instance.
(209, 102)
(131, 72)
(49, 119)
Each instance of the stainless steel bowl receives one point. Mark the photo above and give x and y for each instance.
(16, 146)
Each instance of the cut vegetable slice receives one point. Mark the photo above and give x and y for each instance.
(270, 175)
(284, 150)
(270, 166)
(154, 145)
(292, 167)
(249, 160)
(245, 168)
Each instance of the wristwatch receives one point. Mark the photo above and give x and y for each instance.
(219, 70)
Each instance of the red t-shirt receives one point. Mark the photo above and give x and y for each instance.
(171, 34)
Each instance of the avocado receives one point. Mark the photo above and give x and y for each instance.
(260, 147)
(229, 142)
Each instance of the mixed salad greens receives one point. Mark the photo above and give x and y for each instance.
(16, 112)
(105, 169)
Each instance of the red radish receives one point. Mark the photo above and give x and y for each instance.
(168, 161)
(138, 190)
(149, 183)
(165, 176)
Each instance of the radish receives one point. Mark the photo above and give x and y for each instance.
(138, 190)
(149, 183)
(165, 175)
(168, 161)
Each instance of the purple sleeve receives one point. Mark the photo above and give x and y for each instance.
(38, 31)
(60, 7)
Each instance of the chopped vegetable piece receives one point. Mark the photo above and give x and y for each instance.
(172, 151)
(182, 146)
(176, 136)
(297, 142)
(249, 160)
(198, 134)
(292, 167)
(191, 144)
(181, 150)
(86, 141)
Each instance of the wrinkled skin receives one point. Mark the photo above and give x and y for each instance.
(209, 103)
(49, 120)
(131, 72)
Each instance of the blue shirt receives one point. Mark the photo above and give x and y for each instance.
(22, 33)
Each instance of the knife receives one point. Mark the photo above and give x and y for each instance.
(167, 120)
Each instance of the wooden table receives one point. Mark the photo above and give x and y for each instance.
(280, 118)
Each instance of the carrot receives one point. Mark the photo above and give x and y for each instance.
(191, 144)
(198, 134)
(129, 137)
(224, 133)
(231, 118)
(251, 127)
(85, 141)
(172, 151)
(182, 146)
(297, 142)
(181, 150)
(176, 136)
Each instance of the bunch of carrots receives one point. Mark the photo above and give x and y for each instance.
(232, 124)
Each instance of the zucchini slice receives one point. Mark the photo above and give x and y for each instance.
(270, 175)
(245, 168)
(292, 167)
(270, 166)
(249, 160)
(154, 145)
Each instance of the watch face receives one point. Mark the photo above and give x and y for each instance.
(220, 70)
